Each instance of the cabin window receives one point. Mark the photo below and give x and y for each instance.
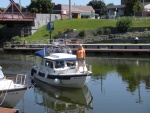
(71, 63)
(49, 64)
(42, 63)
(59, 64)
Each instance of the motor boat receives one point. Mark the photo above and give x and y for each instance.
(11, 90)
(58, 67)
(56, 99)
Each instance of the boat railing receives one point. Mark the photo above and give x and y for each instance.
(58, 49)
(21, 79)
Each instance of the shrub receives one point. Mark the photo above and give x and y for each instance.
(94, 33)
(60, 32)
(107, 31)
(16, 38)
(67, 30)
(124, 25)
(100, 31)
(82, 33)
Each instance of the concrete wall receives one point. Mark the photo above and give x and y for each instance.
(43, 19)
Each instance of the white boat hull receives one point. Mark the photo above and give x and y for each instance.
(73, 80)
(10, 98)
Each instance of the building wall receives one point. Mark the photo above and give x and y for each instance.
(43, 19)
(123, 2)
(113, 13)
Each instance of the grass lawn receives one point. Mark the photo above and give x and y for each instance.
(82, 24)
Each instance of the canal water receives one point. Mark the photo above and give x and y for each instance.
(118, 85)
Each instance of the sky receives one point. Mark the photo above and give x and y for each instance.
(5, 3)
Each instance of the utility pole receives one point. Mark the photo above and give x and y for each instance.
(20, 5)
(143, 9)
(70, 15)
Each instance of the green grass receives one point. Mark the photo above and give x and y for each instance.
(82, 24)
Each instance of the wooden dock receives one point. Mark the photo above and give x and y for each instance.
(90, 48)
(8, 110)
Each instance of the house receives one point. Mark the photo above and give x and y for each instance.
(118, 10)
(77, 11)
(115, 11)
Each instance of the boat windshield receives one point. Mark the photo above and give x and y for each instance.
(71, 63)
(59, 64)
(1, 74)
(49, 64)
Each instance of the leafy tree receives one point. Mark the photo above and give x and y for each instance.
(2, 9)
(40, 6)
(132, 6)
(110, 4)
(99, 7)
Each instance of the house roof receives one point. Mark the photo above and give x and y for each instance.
(74, 8)
(116, 6)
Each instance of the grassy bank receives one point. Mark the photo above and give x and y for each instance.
(82, 24)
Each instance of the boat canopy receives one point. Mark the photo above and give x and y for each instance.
(41, 53)
(1, 73)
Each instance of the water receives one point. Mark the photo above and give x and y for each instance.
(118, 85)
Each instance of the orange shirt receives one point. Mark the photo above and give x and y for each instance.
(81, 53)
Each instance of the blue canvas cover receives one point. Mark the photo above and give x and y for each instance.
(41, 53)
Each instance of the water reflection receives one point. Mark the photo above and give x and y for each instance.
(16, 63)
(63, 99)
(115, 81)
(133, 71)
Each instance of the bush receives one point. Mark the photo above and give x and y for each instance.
(124, 25)
(67, 30)
(100, 31)
(82, 33)
(16, 38)
(60, 32)
(107, 31)
(94, 33)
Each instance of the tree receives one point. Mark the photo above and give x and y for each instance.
(99, 7)
(40, 6)
(132, 6)
(110, 4)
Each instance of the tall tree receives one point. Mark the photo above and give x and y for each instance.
(110, 4)
(40, 6)
(99, 7)
(132, 6)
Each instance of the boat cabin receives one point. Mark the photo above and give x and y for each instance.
(59, 60)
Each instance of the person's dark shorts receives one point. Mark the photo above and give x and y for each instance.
(81, 60)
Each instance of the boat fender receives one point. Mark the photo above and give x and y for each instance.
(46, 74)
(33, 72)
(56, 81)
(37, 71)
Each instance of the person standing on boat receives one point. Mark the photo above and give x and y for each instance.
(81, 56)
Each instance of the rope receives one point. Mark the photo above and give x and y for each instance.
(5, 95)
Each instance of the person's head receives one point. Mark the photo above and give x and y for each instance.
(80, 46)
